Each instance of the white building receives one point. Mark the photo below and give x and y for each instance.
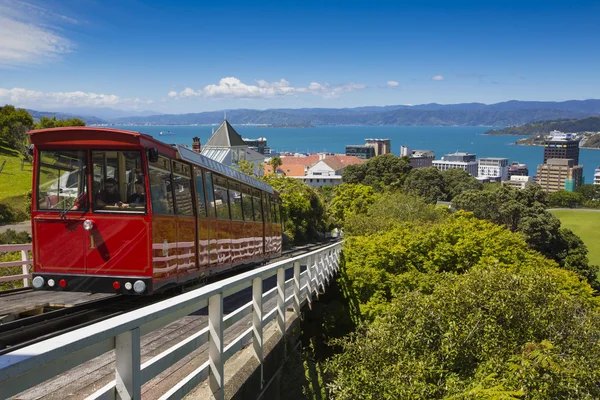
(597, 176)
(493, 167)
(519, 182)
(457, 160)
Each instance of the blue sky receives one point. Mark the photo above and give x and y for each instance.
(192, 56)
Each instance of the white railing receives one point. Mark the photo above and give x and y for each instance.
(25, 263)
(34, 364)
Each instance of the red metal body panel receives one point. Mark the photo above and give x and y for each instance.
(224, 236)
(58, 244)
(164, 249)
(187, 268)
(203, 244)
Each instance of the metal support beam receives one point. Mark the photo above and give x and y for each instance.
(215, 346)
(128, 365)
(257, 324)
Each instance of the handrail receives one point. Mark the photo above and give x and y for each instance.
(34, 364)
(25, 262)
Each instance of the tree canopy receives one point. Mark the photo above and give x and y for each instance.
(384, 172)
(46, 122)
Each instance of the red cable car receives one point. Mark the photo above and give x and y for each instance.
(116, 211)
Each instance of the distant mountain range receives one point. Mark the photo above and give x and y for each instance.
(509, 113)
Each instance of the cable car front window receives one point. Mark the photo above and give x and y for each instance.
(62, 180)
(118, 182)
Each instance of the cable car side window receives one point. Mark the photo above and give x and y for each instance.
(247, 203)
(257, 206)
(235, 201)
(159, 174)
(118, 181)
(183, 188)
(62, 180)
(210, 194)
(201, 203)
(221, 197)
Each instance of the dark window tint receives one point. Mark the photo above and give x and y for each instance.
(247, 203)
(160, 187)
(210, 194)
(235, 201)
(201, 203)
(256, 205)
(183, 189)
(221, 197)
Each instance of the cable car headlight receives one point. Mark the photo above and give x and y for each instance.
(38, 282)
(51, 282)
(128, 285)
(139, 287)
(88, 224)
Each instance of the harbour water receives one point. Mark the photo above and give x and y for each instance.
(333, 139)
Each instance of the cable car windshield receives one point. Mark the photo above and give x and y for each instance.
(62, 180)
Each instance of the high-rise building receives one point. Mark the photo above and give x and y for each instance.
(381, 146)
(493, 167)
(561, 145)
(464, 161)
(559, 174)
(597, 176)
(418, 158)
(360, 151)
(516, 169)
(259, 145)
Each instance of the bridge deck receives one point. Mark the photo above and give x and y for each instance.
(84, 380)
(31, 302)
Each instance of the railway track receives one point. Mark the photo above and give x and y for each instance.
(29, 330)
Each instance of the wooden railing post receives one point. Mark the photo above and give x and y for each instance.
(215, 346)
(24, 257)
(281, 300)
(297, 288)
(257, 323)
(127, 365)
(309, 276)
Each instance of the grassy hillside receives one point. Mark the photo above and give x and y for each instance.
(585, 224)
(14, 183)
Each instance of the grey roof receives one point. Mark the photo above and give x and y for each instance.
(199, 159)
(225, 136)
(219, 154)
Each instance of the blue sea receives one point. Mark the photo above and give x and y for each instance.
(333, 139)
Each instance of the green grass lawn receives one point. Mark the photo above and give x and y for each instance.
(586, 225)
(14, 183)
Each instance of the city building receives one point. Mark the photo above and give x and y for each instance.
(495, 168)
(227, 147)
(559, 174)
(418, 158)
(315, 170)
(360, 150)
(516, 169)
(597, 176)
(259, 145)
(465, 161)
(381, 146)
(561, 145)
(519, 181)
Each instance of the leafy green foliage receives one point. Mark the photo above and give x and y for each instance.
(349, 200)
(493, 332)
(564, 199)
(433, 185)
(458, 181)
(302, 209)
(46, 122)
(14, 125)
(524, 211)
(385, 172)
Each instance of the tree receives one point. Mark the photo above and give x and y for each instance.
(458, 181)
(589, 192)
(350, 199)
(14, 125)
(491, 333)
(46, 122)
(275, 162)
(565, 199)
(428, 183)
(246, 167)
(384, 172)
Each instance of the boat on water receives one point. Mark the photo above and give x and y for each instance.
(166, 133)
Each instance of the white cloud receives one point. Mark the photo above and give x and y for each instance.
(35, 99)
(232, 87)
(30, 35)
(437, 78)
(392, 83)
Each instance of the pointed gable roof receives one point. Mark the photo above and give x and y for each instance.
(225, 136)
